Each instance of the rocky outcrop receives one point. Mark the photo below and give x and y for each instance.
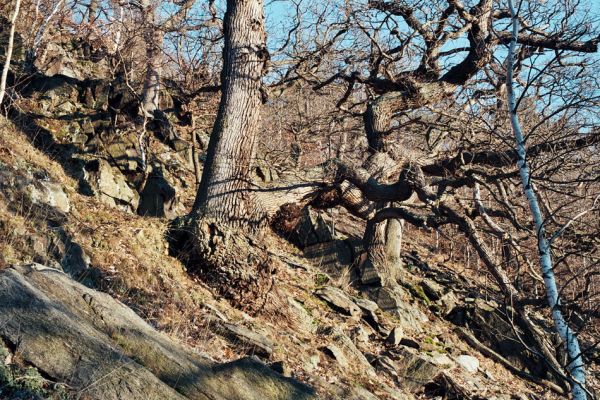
(73, 58)
(98, 178)
(490, 325)
(49, 194)
(18, 50)
(305, 227)
(34, 188)
(103, 350)
(157, 199)
(339, 301)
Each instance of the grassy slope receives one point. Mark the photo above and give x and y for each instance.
(131, 262)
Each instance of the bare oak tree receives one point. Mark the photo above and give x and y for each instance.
(226, 214)
(390, 186)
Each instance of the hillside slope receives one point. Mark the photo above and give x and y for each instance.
(415, 342)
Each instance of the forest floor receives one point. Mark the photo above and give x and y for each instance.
(338, 353)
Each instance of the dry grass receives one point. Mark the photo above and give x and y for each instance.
(129, 254)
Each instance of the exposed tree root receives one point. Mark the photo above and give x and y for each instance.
(230, 260)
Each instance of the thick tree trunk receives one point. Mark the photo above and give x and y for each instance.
(224, 194)
(226, 219)
(9, 50)
(154, 38)
(383, 241)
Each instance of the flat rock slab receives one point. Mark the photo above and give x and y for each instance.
(339, 301)
(103, 350)
(345, 352)
(257, 343)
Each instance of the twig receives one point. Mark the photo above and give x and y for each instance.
(486, 351)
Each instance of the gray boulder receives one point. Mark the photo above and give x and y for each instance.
(311, 229)
(62, 59)
(468, 363)
(35, 188)
(339, 301)
(256, 343)
(51, 194)
(98, 178)
(103, 350)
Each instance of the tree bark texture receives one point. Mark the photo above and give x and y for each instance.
(9, 50)
(383, 239)
(575, 366)
(225, 191)
(154, 38)
(227, 222)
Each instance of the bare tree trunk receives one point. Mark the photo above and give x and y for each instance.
(195, 152)
(39, 36)
(393, 245)
(92, 11)
(9, 50)
(576, 365)
(226, 218)
(154, 38)
(224, 193)
(383, 241)
(119, 31)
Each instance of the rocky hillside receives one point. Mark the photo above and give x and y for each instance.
(94, 305)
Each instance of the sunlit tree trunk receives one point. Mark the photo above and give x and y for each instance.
(226, 216)
(9, 50)
(119, 29)
(92, 11)
(224, 190)
(383, 240)
(154, 39)
(575, 366)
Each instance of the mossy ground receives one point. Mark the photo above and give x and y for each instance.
(25, 382)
